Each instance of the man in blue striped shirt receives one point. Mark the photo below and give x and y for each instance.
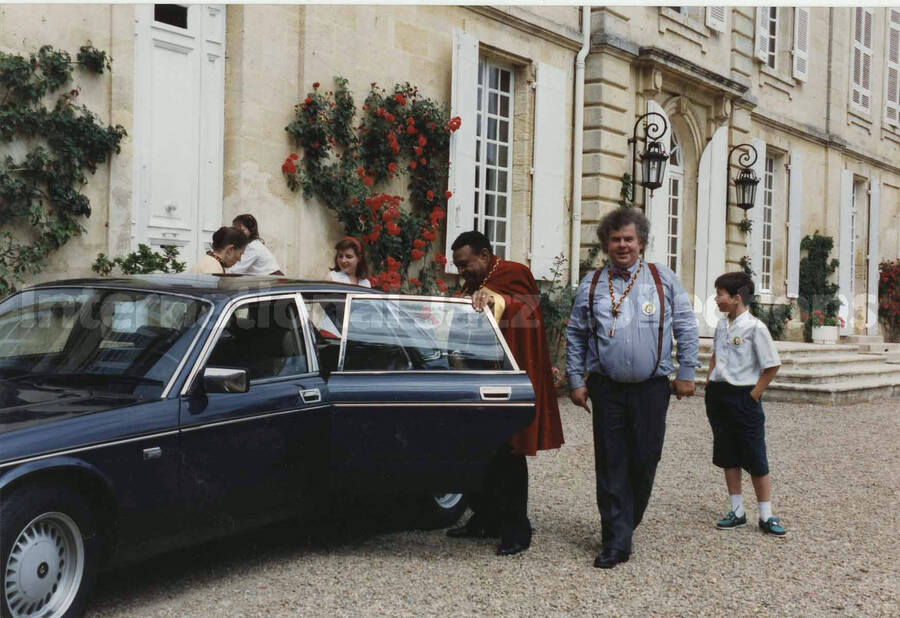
(620, 335)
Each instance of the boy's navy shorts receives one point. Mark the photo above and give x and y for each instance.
(738, 426)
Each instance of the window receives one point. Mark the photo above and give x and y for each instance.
(892, 70)
(264, 338)
(765, 275)
(385, 334)
(493, 153)
(772, 28)
(676, 192)
(861, 60)
(172, 14)
(326, 316)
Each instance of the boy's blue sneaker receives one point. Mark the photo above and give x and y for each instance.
(732, 521)
(772, 526)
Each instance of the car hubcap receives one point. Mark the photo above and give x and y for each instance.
(45, 566)
(447, 501)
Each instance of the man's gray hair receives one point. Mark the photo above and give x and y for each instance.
(622, 217)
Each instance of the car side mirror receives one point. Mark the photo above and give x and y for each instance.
(224, 380)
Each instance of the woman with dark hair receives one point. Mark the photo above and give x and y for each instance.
(350, 263)
(257, 260)
(228, 244)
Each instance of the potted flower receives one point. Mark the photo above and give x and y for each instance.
(825, 328)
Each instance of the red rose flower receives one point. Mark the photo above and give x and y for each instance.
(422, 140)
(441, 259)
(454, 123)
(411, 129)
(360, 172)
(423, 161)
(417, 150)
(389, 117)
(307, 101)
(448, 195)
(315, 84)
(399, 98)
(418, 243)
(415, 282)
(368, 180)
(441, 285)
(393, 229)
(392, 167)
(429, 194)
(412, 165)
(294, 156)
(428, 235)
(416, 254)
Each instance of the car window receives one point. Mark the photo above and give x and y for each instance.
(121, 341)
(263, 337)
(326, 320)
(391, 334)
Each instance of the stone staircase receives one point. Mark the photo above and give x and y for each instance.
(861, 368)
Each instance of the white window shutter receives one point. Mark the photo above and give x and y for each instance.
(548, 188)
(795, 231)
(873, 259)
(657, 209)
(762, 32)
(801, 43)
(845, 285)
(756, 214)
(716, 18)
(892, 70)
(464, 89)
(710, 246)
(861, 60)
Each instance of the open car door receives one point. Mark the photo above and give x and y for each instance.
(425, 393)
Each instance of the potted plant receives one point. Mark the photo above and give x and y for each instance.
(825, 329)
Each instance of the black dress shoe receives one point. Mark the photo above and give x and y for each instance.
(511, 549)
(609, 558)
(472, 532)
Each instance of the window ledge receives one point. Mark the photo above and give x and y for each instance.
(891, 132)
(788, 82)
(859, 118)
(683, 26)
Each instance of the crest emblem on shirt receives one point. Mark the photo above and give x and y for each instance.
(648, 308)
(735, 340)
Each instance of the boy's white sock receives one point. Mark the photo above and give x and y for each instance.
(765, 511)
(737, 504)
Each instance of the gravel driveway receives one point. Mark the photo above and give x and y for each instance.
(835, 473)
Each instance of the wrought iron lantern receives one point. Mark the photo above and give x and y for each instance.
(746, 180)
(654, 158)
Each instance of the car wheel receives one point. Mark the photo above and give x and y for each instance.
(442, 510)
(49, 549)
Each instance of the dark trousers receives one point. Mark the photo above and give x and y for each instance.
(629, 428)
(502, 505)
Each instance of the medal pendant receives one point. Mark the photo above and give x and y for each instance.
(612, 331)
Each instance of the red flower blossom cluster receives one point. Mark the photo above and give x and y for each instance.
(454, 123)
(441, 259)
(289, 167)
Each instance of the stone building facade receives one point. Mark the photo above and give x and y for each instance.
(205, 92)
(813, 89)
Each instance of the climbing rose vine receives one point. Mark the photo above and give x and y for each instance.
(400, 135)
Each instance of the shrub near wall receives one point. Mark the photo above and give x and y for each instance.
(889, 298)
(401, 134)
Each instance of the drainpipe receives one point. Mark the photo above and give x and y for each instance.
(578, 145)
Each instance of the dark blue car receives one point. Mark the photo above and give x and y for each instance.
(142, 414)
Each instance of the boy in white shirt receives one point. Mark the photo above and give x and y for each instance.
(743, 363)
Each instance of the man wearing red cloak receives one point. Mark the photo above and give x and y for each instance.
(509, 290)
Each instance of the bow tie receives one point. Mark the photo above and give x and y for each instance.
(615, 271)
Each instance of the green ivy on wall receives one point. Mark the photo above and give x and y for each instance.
(40, 200)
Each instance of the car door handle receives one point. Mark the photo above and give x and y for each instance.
(496, 393)
(311, 395)
(152, 453)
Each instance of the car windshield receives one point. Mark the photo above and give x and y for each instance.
(116, 341)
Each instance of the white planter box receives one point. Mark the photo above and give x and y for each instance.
(825, 334)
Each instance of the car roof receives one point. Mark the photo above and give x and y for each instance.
(212, 287)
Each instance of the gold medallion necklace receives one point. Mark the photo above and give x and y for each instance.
(491, 272)
(612, 295)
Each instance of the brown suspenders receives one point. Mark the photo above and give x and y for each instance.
(662, 308)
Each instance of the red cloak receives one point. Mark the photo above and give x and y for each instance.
(522, 325)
